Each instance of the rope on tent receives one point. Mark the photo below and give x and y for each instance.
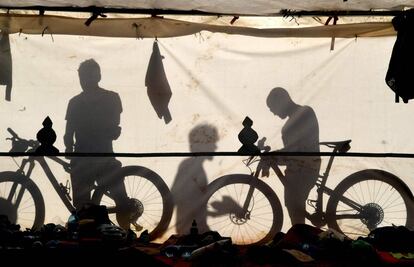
(47, 29)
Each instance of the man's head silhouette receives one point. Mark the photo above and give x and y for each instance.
(89, 74)
(279, 102)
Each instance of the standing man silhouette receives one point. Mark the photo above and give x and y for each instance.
(299, 134)
(93, 118)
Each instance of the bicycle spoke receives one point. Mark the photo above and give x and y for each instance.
(390, 208)
(138, 186)
(354, 198)
(392, 203)
(392, 193)
(251, 226)
(237, 195)
(264, 213)
(144, 199)
(362, 193)
(25, 202)
(215, 223)
(369, 192)
(248, 234)
(25, 208)
(262, 224)
(224, 227)
(381, 194)
(241, 235)
(373, 192)
(146, 190)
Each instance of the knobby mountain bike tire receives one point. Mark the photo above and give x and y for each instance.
(150, 196)
(384, 198)
(224, 199)
(21, 200)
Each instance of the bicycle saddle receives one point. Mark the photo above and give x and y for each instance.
(343, 146)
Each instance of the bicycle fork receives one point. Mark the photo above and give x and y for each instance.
(243, 214)
(12, 194)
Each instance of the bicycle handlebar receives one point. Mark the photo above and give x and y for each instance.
(13, 133)
(20, 144)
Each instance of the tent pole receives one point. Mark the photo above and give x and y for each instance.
(282, 13)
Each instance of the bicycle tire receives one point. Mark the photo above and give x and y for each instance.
(275, 219)
(160, 225)
(25, 215)
(372, 197)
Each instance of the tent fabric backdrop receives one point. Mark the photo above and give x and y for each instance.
(204, 77)
(213, 79)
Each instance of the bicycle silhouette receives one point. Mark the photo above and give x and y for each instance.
(149, 208)
(240, 206)
(246, 209)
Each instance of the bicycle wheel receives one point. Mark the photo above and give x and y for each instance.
(225, 199)
(150, 198)
(369, 199)
(21, 200)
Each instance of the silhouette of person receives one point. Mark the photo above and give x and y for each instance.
(300, 133)
(190, 183)
(92, 123)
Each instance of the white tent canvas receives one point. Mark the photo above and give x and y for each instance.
(209, 78)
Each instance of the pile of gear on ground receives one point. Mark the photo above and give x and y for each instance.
(90, 237)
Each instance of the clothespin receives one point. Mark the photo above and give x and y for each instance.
(335, 19)
(95, 13)
(234, 19)
(136, 26)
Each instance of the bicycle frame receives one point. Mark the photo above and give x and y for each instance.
(61, 190)
(318, 217)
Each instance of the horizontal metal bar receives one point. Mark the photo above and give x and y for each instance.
(343, 13)
(220, 154)
(285, 12)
